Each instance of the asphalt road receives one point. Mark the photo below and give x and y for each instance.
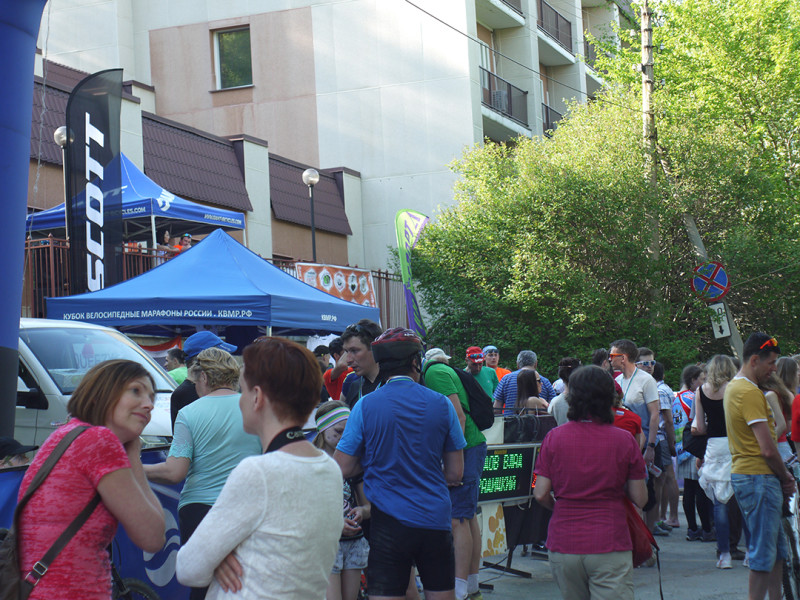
(688, 572)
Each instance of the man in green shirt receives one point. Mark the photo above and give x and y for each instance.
(464, 498)
(487, 377)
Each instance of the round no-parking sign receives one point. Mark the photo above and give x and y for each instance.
(710, 281)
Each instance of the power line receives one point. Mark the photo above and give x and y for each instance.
(795, 265)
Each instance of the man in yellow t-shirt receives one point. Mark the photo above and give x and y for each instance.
(760, 479)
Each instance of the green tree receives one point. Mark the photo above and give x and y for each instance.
(546, 247)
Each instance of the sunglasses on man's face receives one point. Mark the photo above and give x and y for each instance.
(646, 363)
(611, 356)
(475, 356)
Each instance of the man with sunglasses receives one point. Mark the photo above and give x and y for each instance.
(485, 376)
(665, 444)
(357, 340)
(492, 356)
(759, 477)
(639, 394)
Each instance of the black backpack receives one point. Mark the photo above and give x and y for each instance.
(481, 409)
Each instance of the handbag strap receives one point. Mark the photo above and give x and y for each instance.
(47, 466)
(40, 568)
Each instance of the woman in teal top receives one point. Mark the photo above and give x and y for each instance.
(209, 441)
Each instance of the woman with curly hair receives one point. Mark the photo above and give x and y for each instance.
(584, 471)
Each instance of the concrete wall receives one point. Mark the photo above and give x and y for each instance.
(256, 180)
(294, 241)
(374, 85)
(50, 189)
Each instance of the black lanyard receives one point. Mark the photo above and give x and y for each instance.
(287, 436)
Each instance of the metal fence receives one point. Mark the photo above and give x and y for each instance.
(515, 4)
(554, 24)
(589, 53)
(507, 99)
(550, 119)
(46, 274)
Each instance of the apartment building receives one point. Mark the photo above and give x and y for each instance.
(395, 90)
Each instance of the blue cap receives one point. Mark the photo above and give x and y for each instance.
(489, 349)
(201, 340)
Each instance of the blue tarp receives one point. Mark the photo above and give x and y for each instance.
(143, 198)
(216, 282)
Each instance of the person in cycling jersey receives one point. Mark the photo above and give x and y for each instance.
(400, 435)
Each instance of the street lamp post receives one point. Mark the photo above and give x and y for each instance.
(60, 137)
(311, 178)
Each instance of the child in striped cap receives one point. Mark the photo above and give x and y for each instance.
(331, 420)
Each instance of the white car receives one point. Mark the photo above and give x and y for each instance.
(53, 358)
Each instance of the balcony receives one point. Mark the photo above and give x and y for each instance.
(550, 119)
(504, 98)
(555, 25)
(500, 14)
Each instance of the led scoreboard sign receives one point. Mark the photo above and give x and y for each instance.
(508, 473)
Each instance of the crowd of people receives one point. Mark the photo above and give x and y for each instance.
(387, 484)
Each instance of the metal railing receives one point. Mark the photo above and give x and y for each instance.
(556, 26)
(46, 274)
(589, 53)
(500, 95)
(514, 4)
(550, 119)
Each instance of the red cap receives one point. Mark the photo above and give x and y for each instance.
(475, 354)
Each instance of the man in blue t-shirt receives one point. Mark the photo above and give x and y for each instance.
(400, 435)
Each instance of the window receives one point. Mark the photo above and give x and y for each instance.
(233, 62)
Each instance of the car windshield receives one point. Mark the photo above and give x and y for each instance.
(69, 352)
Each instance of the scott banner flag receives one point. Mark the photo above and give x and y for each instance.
(94, 206)
(408, 224)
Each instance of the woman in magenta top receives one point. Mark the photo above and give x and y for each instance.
(584, 470)
(115, 399)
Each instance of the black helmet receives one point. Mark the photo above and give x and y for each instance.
(396, 345)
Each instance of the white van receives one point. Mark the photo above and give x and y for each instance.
(53, 358)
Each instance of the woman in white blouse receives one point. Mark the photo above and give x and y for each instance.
(274, 530)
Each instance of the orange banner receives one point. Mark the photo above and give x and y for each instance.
(353, 285)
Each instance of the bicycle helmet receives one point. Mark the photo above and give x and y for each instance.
(395, 346)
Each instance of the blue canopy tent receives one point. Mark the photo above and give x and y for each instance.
(217, 282)
(145, 204)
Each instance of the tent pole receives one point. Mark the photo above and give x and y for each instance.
(269, 330)
(153, 229)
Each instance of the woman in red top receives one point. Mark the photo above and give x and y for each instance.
(788, 374)
(584, 470)
(115, 399)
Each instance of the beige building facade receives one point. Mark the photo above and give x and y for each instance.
(391, 89)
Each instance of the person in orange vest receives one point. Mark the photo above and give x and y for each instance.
(492, 356)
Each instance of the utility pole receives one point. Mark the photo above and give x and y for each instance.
(649, 137)
(648, 116)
